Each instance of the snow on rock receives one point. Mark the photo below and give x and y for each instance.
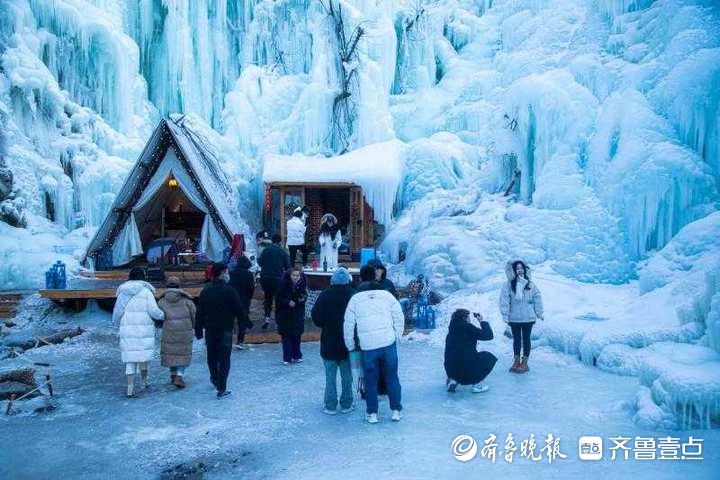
(648, 179)
(681, 382)
(693, 249)
(442, 161)
(377, 168)
(26, 253)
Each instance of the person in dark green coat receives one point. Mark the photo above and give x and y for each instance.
(328, 313)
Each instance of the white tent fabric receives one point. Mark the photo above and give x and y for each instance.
(202, 164)
(128, 244)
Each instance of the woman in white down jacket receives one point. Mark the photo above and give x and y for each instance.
(136, 311)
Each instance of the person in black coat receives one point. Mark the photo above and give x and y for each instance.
(367, 279)
(328, 313)
(243, 281)
(274, 262)
(385, 283)
(464, 365)
(290, 313)
(219, 307)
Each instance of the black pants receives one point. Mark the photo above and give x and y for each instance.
(521, 332)
(243, 325)
(291, 348)
(219, 346)
(270, 287)
(293, 253)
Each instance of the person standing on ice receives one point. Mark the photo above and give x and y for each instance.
(243, 281)
(136, 311)
(296, 236)
(464, 365)
(177, 331)
(290, 317)
(328, 313)
(374, 321)
(330, 240)
(520, 306)
(273, 261)
(219, 306)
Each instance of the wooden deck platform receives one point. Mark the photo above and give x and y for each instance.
(102, 286)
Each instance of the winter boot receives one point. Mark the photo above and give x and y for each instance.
(523, 368)
(130, 391)
(516, 364)
(451, 385)
(396, 416)
(179, 382)
(172, 378)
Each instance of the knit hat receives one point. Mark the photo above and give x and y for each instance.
(341, 277)
(173, 282)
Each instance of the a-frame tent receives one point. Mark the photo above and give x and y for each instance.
(176, 166)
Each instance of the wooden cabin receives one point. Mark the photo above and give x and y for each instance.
(344, 200)
(359, 188)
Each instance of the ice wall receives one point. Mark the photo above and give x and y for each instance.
(608, 109)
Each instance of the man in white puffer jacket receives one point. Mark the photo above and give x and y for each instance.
(136, 312)
(296, 236)
(374, 319)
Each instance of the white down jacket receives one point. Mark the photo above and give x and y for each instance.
(135, 310)
(295, 231)
(378, 317)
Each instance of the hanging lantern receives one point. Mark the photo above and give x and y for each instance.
(172, 182)
(268, 204)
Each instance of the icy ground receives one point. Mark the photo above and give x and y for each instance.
(273, 427)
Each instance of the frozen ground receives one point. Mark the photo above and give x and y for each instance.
(272, 426)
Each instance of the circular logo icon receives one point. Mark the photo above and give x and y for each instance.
(464, 448)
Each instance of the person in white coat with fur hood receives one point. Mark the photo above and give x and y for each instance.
(520, 306)
(330, 240)
(136, 311)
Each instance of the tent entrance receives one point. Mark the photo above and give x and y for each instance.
(169, 213)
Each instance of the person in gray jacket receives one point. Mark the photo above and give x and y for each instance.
(520, 306)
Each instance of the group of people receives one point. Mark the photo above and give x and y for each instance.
(360, 326)
(329, 238)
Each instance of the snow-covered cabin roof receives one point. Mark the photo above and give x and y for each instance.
(376, 168)
(198, 160)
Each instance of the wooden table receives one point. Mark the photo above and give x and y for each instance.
(319, 280)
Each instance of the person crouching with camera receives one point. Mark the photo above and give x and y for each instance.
(464, 365)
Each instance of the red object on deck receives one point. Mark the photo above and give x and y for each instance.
(238, 245)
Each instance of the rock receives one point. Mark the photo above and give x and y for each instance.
(17, 388)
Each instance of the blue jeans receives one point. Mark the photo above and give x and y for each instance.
(346, 395)
(381, 361)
